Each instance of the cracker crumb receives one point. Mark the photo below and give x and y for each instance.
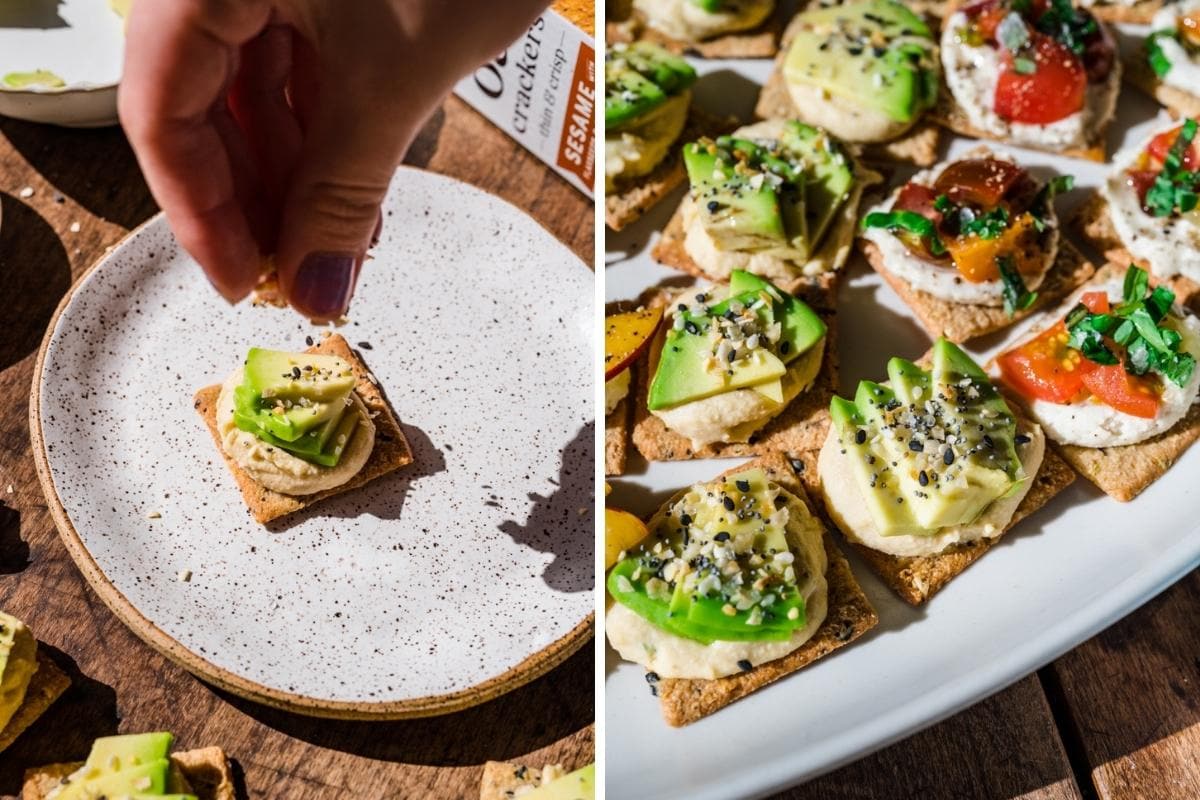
(154, 515)
(75, 226)
(27, 192)
(184, 576)
(10, 488)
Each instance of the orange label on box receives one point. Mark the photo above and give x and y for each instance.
(576, 153)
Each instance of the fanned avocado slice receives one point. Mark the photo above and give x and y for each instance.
(638, 78)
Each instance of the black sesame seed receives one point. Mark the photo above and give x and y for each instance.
(701, 298)
(785, 347)
(1021, 438)
(685, 519)
(295, 373)
(860, 436)
(915, 446)
(364, 346)
(728, 503)
(743, 486)
(987, 441)
(797, 465)
(691, 328)
(713, 206)
(745, 666)
(948, 458)
(723, 536)
(308, 340)
(651, 677)
(923, 478)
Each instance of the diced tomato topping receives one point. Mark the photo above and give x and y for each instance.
(1096, 302)
(1160, 146)
(1189, 27)
(1054, 90)
(1141, 180)
(1045, 368)
(978, 181)
(1129, 394)
(989, 19)
(919, 198)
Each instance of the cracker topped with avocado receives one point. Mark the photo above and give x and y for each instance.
(778, 199)
(865, 71)
(29, 681)
(138, 767)
(924, 473)
(735, 585)
(708, 28)
(506, 781)
(737, 369)
(298, 427)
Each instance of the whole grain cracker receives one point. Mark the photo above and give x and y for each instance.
(760, 42)
(1093, 223)
(918, 578)
(849, 615)
(800, 426)
(919, 145)
(502, 779)
(1139, 13)
(390, 453)
(630, 200)
(45, 686)
(962, 321)
(616, 437)
(207, 772)
(819, 290)
(1177, 101)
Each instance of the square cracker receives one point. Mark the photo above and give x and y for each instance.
(1124, 472)
(1093, 223)
(919, 145)
(1139, 13)
(760, 42)
(916, 579)
(46, 686)
(502, 779)
(962, 321)
(1176, 101)
(850, 615)
(820, 290)
(207, 771)
(800, 426)
(616, 435)
(628, 202)
(391, 451)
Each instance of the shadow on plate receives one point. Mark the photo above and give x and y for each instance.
(538, 714)
(95, 167)
(563, 524)
(382, 498)
(36, 269)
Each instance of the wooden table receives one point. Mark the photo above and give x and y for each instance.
(87, 193)
(1118, 718)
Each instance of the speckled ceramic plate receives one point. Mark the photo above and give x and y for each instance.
(455, 579)
(80, 41)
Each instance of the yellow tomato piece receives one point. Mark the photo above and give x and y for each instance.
(976, 257)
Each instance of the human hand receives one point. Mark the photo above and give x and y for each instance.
(274, 126)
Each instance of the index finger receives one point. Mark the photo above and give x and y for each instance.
(180, 58)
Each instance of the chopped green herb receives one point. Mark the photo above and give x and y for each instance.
(909, 221)
(1016, 296)
(1068, 24)
(1023, 65)
(989, 225)
(1155, 56)
(1174, 190)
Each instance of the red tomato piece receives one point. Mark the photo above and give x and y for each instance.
(1096, 302)
(1161, 145)
(979, 181)
(1045, 368)
(1129, 394)
(919, 198)
(1055, 89)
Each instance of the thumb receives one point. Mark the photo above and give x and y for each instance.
(332, 209)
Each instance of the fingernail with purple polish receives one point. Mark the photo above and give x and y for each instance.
(324, 283)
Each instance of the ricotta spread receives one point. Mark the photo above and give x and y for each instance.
(972, 73)
(1169, 246)
(672, 656)
(942, 279)
(1092, 423)
(639, 146)
(843, 501)
(278, 469)
(686, 20)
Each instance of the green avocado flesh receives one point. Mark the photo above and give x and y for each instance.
(28, 80)
(136, 765)
(683, 582)
(577, 785)
(744, 340)
(638, 78)
(297, 402)
(876, 54)
(934, 448)
(774, 196)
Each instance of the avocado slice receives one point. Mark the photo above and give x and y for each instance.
(37, 78)
(638, 78)
(829, 178)
(684, 374)
(897, 77)
(296, 376)
(802, 328)
(699, 605)
(740, 212)
(577, 785)
(934, 449)
(115, 753)
(148, 777)
(18, 662)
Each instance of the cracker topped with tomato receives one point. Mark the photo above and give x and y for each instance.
(1152, 196)
(979, 231)
(1114, 366)
(1036, 73)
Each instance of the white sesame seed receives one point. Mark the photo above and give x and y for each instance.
(27, 192)
(75, 227)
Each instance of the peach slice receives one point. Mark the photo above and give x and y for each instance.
(622, 531)
(626, 335)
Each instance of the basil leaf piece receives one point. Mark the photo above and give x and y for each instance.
(1174, 187)
(1068, 25)
(1155, 56)
(1016, 296)
(1136, 282)
(909, 221)
(990, 225)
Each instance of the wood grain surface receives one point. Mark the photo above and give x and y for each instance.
(87, 193)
